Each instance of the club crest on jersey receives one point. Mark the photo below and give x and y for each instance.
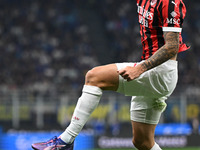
(173, 14)
(153, 2)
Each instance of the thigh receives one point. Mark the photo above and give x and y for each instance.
(105, 77)
(143, 132)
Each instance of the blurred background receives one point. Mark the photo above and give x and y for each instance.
(46, 47)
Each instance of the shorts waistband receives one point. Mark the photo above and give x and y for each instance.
(171, 63)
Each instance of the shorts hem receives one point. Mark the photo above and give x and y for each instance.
(145, 121)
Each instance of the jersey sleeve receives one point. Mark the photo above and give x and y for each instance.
(173, 13)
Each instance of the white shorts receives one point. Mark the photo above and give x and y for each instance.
(149, 91)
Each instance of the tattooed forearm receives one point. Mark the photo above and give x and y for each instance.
(169, 50)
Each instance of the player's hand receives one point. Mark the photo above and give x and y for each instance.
(130, 73)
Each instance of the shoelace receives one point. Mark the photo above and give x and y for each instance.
(53, 141)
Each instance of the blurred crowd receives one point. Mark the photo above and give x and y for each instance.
(43, 45)
(46, 45)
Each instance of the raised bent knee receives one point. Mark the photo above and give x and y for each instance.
(104, 77)
(92, 78)
(90, 74)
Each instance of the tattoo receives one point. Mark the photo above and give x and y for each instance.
(166, 52)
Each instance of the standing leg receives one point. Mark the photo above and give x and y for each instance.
(143, 136)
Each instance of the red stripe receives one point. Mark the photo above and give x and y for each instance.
(146, 48)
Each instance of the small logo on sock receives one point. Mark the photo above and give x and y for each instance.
(76, 118)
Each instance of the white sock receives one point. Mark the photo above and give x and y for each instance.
(85, 106)
(156, 147)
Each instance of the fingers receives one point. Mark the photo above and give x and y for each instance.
(121, 72)
(130, 73)
(124, 74)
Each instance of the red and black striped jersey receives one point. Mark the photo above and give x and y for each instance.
(157, 16)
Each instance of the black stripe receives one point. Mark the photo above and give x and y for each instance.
(160, 10)
(140, 2)
(160, 38)
(181, 13)
(155, 17)
(171, 8)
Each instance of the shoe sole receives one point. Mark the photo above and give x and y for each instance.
(34, 148)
